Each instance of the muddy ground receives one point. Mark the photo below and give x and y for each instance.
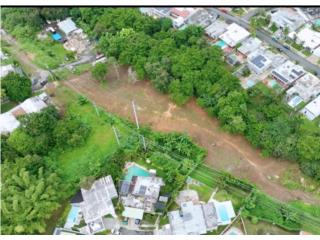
(225, 151)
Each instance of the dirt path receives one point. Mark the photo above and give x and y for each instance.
(228, 152)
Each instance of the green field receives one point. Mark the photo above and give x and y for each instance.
(78, 162)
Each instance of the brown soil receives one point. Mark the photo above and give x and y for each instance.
(225, 151)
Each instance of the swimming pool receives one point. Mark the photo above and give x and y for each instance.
(221, 44)
(72, 217)
(223, 213)
(136, 171)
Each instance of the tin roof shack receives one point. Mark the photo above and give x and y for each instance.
(67, 26)
(307, 87)
(287, 18)
(217, 28)
(287, 73)
(234, 35)
(312, 110)
(258, 62)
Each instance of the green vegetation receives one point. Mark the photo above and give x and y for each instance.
(273, 28)
(16, 87)
(25, 23)
(99, 72)
(6, 106)
(238, 11)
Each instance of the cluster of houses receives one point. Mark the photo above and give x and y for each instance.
(253, 59)
(93, 210)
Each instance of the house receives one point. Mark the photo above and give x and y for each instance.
(5, 70)
(180, 15)
(142, 192)
(193, 219)
(234, 35)
(134, 213)
(159, 12)
(97, 201)
(249, 45)
(258, 62)
(287, 73)
(311, 12)
(287, 18)
(307, 87)
(8, 123)
(187, 221)
(67, 26)
(215, 29)
(8, 120)
(201, 17)
(309, 38)
(312, 110)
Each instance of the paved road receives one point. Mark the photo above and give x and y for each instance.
(265, 36)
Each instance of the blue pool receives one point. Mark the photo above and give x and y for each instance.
(72, 217)
(317, 22)
(136, 171)
(221, 44)
(223, 213)
(56, 36)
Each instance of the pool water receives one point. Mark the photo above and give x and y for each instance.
(223, 213)
(221, 44)
(72, 216)
(317, 22)
(136, 171)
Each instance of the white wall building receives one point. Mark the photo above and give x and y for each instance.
(307, 87)
(287, 18)
(67, 26)
(288, 73)
(234, 35)
(308, 38)
(5, 70)
(258, 62)
(312, 110)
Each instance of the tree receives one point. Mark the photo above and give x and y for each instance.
(30, 193)
(17, 87)
(99, 72)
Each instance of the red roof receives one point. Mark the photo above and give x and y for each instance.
(181, 13)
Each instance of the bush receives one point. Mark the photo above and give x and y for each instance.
(17, 87)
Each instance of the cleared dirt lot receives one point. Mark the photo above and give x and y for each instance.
(225, 151)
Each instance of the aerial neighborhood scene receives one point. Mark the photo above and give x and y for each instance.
(160, 120)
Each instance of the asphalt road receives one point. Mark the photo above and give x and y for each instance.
(265, 36)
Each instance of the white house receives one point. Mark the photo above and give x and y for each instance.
(258, 62)
(312, 110)
(287, 18)
(308, 38)
(234, 35)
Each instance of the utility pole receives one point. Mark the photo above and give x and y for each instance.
(137, 123)
(95, 107)
(116, 134)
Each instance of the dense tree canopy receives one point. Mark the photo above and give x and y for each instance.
(99, 72)
(16, 87)
(183, 64)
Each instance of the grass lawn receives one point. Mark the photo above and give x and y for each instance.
(5, 107)
(203, 190)
(77, 162)
(44, 53)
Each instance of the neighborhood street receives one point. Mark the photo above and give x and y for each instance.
(265, 36)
